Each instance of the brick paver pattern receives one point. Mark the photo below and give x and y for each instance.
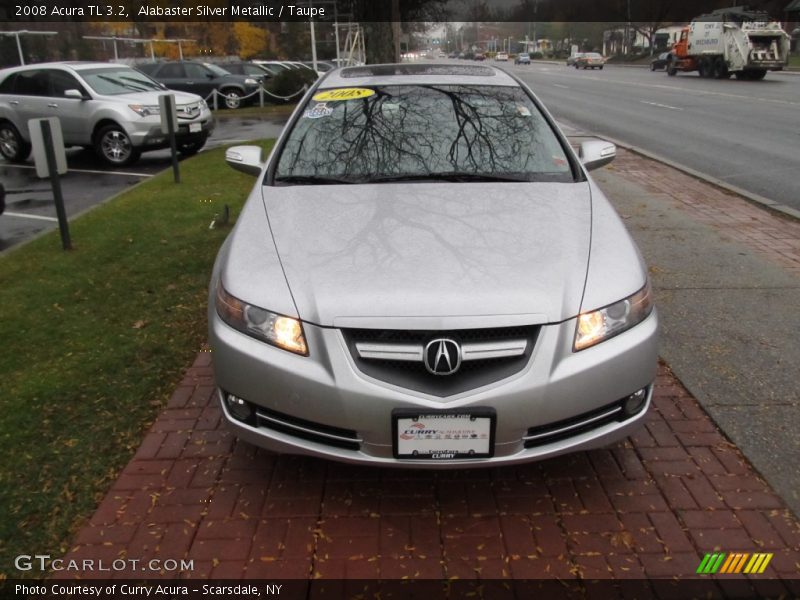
(650, 506)
(774, 237)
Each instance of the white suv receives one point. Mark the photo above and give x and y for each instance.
(111, 108)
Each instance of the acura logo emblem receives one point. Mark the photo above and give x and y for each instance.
(442, 356)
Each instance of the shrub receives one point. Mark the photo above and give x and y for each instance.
(289, 82)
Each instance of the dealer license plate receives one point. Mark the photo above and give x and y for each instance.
(195, 127)
(444, 435)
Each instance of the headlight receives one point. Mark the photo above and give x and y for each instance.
(202, 104)
(145, 110)
(598, 325)
(278, 330)
(251, 81)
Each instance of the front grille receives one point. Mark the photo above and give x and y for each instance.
(308, 430)
(188, 111)
(567, 428)
(412, 373)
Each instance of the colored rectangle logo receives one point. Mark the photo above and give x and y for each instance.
(734, 563)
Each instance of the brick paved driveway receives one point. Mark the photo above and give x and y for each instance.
(649, 507)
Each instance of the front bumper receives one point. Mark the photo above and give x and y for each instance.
(146, 133)
(326, 390)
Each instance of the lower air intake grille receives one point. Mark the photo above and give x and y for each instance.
(308, 430)
(560, 430)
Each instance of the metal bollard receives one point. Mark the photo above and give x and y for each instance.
(216, 106)
(261, 96)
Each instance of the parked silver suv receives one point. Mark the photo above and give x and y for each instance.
(111, 108)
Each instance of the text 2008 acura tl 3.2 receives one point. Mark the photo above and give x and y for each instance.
(425, 275)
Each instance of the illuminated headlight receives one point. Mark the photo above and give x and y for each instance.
(251, 81)
(278, 330)
(599, 325)
(145, 110)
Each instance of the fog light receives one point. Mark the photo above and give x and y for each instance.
(635, 402)
(239, 409)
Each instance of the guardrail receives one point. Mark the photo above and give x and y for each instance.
(234, 100)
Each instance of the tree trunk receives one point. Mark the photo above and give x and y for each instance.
(380, 40)
(379, 43)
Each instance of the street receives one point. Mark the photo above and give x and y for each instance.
(743, 132)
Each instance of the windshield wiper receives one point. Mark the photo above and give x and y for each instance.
(312, 180)
(456, 176)
(147, 84)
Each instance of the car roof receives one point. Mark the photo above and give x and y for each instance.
(406, 74)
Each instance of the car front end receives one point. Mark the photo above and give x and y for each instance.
(466, 318)
(195, 122)
(130, 99)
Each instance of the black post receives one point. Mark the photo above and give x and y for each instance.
(55, 180)
(171, 131)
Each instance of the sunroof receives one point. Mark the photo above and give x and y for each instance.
(417, 69)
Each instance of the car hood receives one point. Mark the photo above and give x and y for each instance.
(429, 255)
(152, 97)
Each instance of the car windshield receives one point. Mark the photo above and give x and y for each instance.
(592, 55)
(110, 81)
(421, 132)
(216, 69)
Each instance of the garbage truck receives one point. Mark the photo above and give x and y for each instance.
(731, 41)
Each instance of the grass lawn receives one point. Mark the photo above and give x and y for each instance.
(95, 340)
(794, 60)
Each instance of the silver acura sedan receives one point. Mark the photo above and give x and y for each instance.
(425, 275)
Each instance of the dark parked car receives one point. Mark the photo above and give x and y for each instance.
(479, 56)
(202, 79)
(659, 62)
(247, 68)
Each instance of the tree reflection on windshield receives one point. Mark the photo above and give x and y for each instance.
(424, 132)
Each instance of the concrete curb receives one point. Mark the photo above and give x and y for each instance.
(761, 201)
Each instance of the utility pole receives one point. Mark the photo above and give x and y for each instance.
(313, 40)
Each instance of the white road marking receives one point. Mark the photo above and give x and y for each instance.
(24, 216)
(660, 105)
(558, 85)
(82, 170)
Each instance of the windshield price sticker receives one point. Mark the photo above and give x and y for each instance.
(444, 436)
(343, 94)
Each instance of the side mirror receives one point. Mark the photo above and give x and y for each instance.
(247, 159)
(596, 153)
(74, 94)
